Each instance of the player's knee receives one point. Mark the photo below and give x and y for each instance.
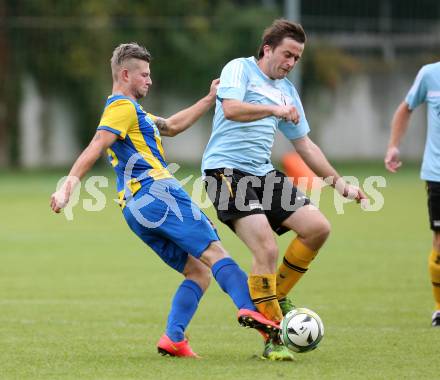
(318, 233)
(204, 278)
(200, 274)
(323, 229)
(213, 253)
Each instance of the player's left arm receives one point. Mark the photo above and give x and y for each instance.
(184, 119)
(316, 160)
(100, 142)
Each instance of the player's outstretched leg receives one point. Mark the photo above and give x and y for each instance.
(233, 281)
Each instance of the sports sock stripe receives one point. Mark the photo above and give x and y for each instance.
(294, 267)
(264, 299)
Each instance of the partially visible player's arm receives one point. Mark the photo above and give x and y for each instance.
(101, 141)
(399, 125)
(184, 119)
(316, 160)
(237, 110)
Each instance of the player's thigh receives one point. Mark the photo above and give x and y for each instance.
(281, 199)
(233, 194)
(170, 253)
(187, 226)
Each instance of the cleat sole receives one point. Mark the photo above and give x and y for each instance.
(249, 322)
(163, 352)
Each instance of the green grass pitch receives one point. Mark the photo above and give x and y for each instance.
(85, 299)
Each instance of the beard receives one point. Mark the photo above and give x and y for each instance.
(139, 94)
(283, 73)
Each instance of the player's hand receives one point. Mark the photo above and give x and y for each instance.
(213, 90)
(350, 191)
(59, 199)
(392, 159)
(287, 113)
(354, 192)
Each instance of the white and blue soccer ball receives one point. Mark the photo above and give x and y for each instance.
(301, 330)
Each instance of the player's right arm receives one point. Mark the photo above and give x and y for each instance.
(237, 110)
(115, 123)
(399, 125)
(100, 142)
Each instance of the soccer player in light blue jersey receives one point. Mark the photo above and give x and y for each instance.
(154, 204)
(425, 89)
(254, 99)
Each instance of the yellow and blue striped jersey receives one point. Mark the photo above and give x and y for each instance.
(137, 155)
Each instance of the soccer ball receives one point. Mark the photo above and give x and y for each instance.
(301, 330)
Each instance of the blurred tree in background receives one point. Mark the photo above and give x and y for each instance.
(65, 46)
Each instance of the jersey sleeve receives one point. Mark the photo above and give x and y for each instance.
(295, 131)
(418, 91)
(118, 117)
(152, 117)
(233, 81)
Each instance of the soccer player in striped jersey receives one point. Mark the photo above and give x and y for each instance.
(254, 99)
(425, 89)
(153, 203)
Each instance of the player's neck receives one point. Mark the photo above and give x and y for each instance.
(262, 64)
(120, 90)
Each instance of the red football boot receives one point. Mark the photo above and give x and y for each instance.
(166, 346)
(256, 320)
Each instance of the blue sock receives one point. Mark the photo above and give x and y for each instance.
(183, 307)
(233, 281)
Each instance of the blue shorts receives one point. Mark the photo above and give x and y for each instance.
(163, 215)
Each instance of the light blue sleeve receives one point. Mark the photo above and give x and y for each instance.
(233, 81)
(418, 91)
(295, 131)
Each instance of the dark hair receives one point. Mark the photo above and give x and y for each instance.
(280, 29)
(127, 51)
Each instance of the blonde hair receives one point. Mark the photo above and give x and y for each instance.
(127, 51)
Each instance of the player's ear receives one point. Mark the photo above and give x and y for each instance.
(267, 49)
(124, 74)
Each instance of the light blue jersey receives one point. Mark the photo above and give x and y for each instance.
(426, 88)
(247, 146)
